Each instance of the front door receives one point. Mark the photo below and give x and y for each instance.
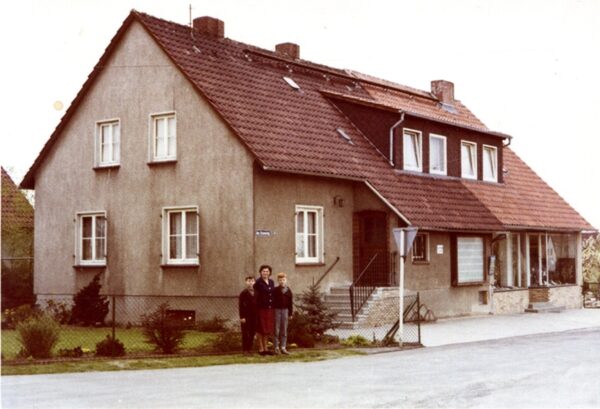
(371, 238)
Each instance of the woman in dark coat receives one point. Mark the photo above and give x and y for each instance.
(264, 288)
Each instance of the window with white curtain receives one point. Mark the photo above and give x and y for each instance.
(490, 163)
(108, 143)
(164, 137)
(412, 148)
(91, 238)
(180, 235)
(468, 159)
(437, 154)
(309, 234)
(470, 257)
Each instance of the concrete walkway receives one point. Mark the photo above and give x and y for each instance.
(482, 328)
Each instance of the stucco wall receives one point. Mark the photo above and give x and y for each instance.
(213, 171)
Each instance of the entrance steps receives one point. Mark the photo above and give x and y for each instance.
(338, 301)
(542, 307)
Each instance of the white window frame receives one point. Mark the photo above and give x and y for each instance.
(98, 162)
(154, 118)
(419, 152)
(426, 258)
(94, 261)
(320, 234)
(462, 169)
(493, 166)
(444, 171)
(476, 280)
(166, 220)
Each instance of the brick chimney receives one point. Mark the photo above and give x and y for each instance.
(444, 91)
(210, 26)
(290, 50)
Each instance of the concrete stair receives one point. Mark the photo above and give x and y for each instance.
(543, 307)
(338, 301)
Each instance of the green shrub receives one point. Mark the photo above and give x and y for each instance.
(165, 334)
(89, 307)
(13, 316)
(228, 341)
(37, 336)
(70, 353)
(299, 331)
(215, 324)
(356, 341)
(110, 347)
(59, 310)
(330, 339)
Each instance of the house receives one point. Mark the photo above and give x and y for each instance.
(16, 238)
(188, 159)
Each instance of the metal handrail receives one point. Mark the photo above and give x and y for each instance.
(356, 303)
(328, 270)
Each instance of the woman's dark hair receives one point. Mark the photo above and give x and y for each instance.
(265, 266)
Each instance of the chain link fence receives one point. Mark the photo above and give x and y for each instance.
(208, 324)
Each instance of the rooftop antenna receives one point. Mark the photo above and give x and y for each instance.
(191, 24)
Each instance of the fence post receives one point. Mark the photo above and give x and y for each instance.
(419, 316)
(113, 317)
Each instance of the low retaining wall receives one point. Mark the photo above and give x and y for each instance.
(511, 301)
(568, 296)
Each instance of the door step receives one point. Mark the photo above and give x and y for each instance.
(542, 307)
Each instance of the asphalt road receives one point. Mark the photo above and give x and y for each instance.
(556, 370)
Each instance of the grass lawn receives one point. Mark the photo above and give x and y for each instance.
(175, 362)
(88, 337)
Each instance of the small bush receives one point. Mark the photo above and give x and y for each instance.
(89, 307)
(13, 316)
(330, 339)
(299, 331)
(37, 336)
(59, 310)
(228, 341)
(165, 334)
(356, 341)
(70, 353)
(110, 347)
(215, 324)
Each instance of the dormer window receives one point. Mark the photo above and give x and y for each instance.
(490, 163)
(437, 154)
(413, 151)
(468, 159)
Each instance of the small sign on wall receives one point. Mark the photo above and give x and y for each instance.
(263, 233)
(439, 249)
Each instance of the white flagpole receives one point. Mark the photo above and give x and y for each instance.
(401, 289)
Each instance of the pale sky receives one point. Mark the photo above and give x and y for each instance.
(528, 68)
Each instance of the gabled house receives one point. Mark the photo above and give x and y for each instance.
(189, 159)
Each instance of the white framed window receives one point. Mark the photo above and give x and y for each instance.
(91, 238)
(420, 248)
(180, 235)
(108, 142)
(470, 260)
(490, 163)
(468, 159)
(309, 234)
(163, 137)
(437, 154)
(413, 150)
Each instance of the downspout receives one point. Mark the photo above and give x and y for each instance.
(392, 137)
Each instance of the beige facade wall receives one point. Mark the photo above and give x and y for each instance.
(568, 296)
(213, 171)
(511, 301)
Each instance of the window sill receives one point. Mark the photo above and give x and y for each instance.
(89, 266)
(162, 162)
(420, 262)
(309, 264)
(107, 167)
(473, 284)
(188, 265)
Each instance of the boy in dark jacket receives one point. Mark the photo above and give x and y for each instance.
(284, 307)
(248, 314)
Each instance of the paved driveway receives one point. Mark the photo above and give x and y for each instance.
(538, 371)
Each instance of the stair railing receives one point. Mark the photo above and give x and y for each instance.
(362, 288)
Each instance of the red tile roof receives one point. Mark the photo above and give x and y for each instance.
(16, 209)
(291, 130)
